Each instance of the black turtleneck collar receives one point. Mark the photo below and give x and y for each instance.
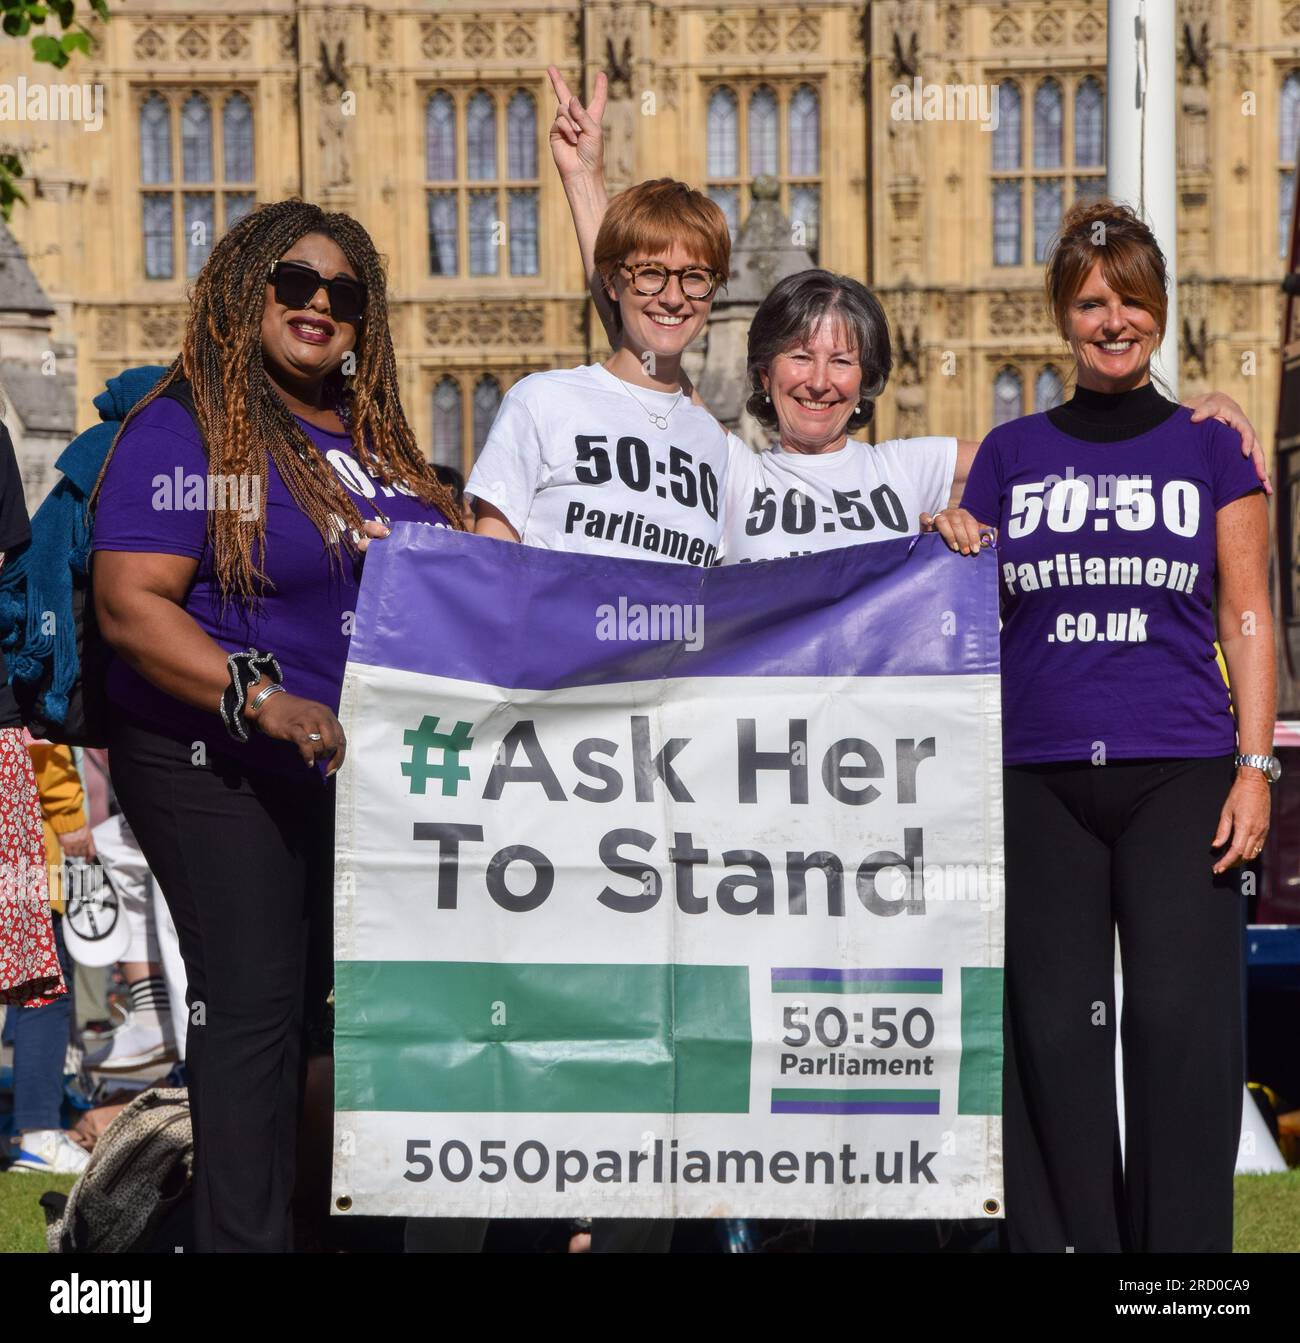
(1111, 417)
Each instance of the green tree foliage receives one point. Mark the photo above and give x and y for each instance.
(20, 17)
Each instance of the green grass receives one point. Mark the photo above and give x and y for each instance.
(1267, 1212)
(22, 1219)
(1266, 1216)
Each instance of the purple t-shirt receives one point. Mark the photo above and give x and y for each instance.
(1107, 559)
(153, 501)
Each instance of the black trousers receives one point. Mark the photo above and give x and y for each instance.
(244, 859)
(1091, 849)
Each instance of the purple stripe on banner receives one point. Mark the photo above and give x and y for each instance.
(855, 1107)
(443, 603)
(849, 976)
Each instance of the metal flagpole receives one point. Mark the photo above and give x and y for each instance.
(1141, 151)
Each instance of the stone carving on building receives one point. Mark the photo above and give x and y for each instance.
(1195, 359)
(1048, 30)
(478, 41)
(761, 35)
(193, 45)
(665, 22)
(1194, 66)
(906, 60)
(385, 94)
(331, 83)
(108, 332)
(1005, 31)
(1088, 30)
(435, 39)
(287, 32)
(903, 21)
(149, 44)
(618, 66)
(94, 26)
(720, 39)
(804, 33)
(623, 111)
(233, 44)
(384, 37)
(520, 41)
(955, 309)
(478, 324)
(160, 327)
(764, 254)
(1007, 314)
(906, 311)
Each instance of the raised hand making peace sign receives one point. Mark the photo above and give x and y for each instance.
(577, 141)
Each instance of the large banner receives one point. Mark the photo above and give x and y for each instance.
(669, 892)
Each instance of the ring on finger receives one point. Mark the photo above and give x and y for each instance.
(313, 736)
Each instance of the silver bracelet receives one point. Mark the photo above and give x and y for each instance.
(274, 688)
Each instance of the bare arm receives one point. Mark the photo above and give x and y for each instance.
(966, 450)
(492, 522)
(1245, 628)
(578, 148)
(139, 604)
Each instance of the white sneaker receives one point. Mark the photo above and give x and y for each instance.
(141, 1041)
(49, 1150)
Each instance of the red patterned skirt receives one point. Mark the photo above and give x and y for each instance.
(29, 965)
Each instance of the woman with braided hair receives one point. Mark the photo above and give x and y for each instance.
(230, 524)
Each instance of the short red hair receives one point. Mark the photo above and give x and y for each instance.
(652, 216)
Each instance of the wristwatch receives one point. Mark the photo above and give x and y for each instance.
(1269, 765)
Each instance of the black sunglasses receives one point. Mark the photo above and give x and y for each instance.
(297, 284)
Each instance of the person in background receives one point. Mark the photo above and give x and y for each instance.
(30, 972)
(146, 1037)
(456, 483)
(91, 983)
(41, 1035)
(1127, 538)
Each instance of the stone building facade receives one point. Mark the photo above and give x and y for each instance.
(430, 123)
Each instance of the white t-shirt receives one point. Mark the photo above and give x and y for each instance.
(782, 503)
(574, 462)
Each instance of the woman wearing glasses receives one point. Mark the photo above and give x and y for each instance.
(614, 458)
(231, 518)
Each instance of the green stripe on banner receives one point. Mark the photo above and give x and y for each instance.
(979, 1088)
(445, 1036)
(856, 986)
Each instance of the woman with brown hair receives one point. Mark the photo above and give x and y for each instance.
(1133, 781)
(231, 518)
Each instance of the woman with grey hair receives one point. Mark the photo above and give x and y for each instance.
(819, 355)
